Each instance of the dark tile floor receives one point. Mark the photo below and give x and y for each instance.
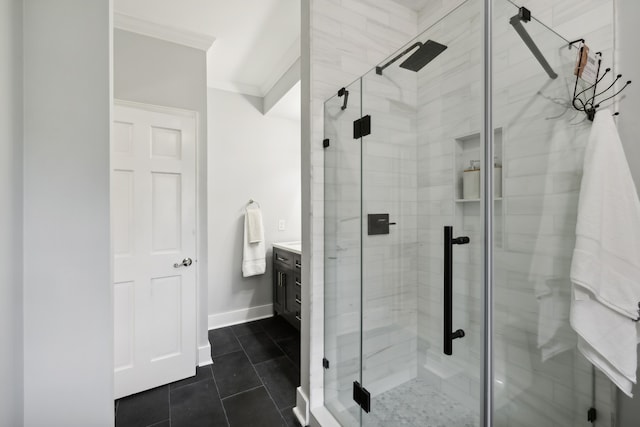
(252, 382)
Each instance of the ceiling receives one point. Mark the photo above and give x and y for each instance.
(256, 41)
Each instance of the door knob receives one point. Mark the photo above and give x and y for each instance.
(185, 263)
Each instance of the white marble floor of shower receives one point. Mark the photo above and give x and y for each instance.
(417, 403)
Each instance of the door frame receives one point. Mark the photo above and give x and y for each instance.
(203, 354)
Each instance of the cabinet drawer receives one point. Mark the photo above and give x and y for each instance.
(297, 262)
(283, 258)
(296, 289)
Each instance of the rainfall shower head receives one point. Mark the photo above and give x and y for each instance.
(426, 53)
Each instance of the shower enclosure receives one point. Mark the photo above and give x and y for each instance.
(404, 234)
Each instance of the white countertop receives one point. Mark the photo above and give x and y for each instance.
(295, 247)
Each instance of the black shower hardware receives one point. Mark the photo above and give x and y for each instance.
(524, 15)
(449, 241)
(426, 53)
(344, 92)
(585, 100)
(378, 224)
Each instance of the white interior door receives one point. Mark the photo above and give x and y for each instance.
(153, 202)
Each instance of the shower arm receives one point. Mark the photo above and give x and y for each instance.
(524, 15)
(379, 69)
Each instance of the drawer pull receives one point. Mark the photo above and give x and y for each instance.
(298, 300)
(298, 317)
(279, 258)
(298, 283)
(298, 265)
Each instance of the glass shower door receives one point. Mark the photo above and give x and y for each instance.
(418, 286)
(540, 377)
(342, 250)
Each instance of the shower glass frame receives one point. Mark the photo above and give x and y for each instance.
(492, 130)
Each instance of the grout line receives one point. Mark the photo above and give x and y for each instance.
(287, 354)
(260, 378)
(192, 383)
(224, 411)
(250, 332)
(211, 341)
(243, 391)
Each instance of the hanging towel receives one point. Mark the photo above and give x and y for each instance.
(605, 270)
(552, 288)
(254, 224)
(253, 254)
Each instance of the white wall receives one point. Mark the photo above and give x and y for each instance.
(158, 72)
(251, 156)
(628, 63)
(11, 364)
(68, 332)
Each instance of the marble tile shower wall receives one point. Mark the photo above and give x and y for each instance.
(348, 37)
(449, 93)
(384, 167)
(390, 273)
(542, 161)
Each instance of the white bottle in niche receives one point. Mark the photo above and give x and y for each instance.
(497, 179)
(471, 181)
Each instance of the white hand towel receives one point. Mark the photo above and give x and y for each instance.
(605, 270)
(254, 217)
(253, 254)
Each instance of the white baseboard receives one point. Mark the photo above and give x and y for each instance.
(301, 411)
(229, 318)
(204, 355)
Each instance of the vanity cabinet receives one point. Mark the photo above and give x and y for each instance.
(287, 284)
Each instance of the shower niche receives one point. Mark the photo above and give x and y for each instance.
(467, 152)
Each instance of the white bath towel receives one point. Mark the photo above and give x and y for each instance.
(605, 270)
(254, 224)
(253, 253)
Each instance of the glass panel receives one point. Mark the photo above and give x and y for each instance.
(425, 131)
(540, 377)
(342, 221)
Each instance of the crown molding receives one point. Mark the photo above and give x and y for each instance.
(164, 32)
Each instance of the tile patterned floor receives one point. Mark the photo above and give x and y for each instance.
(251, 383)
(416, 403)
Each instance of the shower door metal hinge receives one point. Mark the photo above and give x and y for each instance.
(325, 363)
(361, 396)
(362, 127)
(592, 415)
(325, 143)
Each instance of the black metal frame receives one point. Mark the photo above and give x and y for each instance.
(589, 105)
(344, 92)
(524, 15)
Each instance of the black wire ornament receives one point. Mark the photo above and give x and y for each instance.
(587, 99)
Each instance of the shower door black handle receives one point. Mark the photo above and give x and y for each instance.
(449, 241)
